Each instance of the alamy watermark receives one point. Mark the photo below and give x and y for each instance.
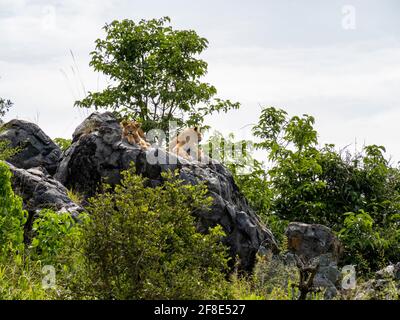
(49, 278)
(49, 18)
(348, 17)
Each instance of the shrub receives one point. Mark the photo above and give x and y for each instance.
(366, 245)
(272, 279)
(51, 230)
(12, 216)
(75, 196)
(20, 277)
(142, 243)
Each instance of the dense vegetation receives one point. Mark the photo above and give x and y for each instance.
(357, 195)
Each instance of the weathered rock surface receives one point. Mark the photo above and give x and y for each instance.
(37, 149)
(312, 240)
(98, 152)
(385, 285)
(392, 271)
(40, 191)
(317, 242)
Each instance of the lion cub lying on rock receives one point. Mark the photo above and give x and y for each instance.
(132, 131)
(186, 144)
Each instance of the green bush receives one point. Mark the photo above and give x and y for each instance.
(142, 243)
(315, 184)
(369, 246)
(272, 279)
(51, 231)
(20, 277)
(5, 150)
(12, 215)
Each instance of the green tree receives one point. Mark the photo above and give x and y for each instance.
(155, 74)
(357, 195)
(250, 175)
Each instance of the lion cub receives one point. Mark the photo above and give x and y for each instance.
(186, 144)
(132, 131)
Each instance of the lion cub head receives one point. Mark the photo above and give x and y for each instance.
(132, 131)
(190, 136)
(130, 127)
(186, 144)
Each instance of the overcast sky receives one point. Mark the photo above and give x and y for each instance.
(338, 61)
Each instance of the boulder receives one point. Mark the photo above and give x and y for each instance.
(315, 242)
(98, 152)
(36, 148)
(312, 240)
(38, 191)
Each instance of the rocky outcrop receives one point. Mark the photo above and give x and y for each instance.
(392, 271)
(99, 153)
(384, 286)
(318, 243)
(36, 149)
(38, 191)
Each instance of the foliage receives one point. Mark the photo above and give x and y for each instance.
(5, 150)
(316, 184)
(155, 74)
(272, 279)
(370, 247)
(64, 144)
(21, 278)
(75, 196)
(19, 275)
(12, 215)
(141, 243)
(249, 174)
(51, 229)
(5, 105)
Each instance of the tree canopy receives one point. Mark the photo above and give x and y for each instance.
(155, 74)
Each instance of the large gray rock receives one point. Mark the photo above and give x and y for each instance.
(98, 152)
(38, 191)
(312, 240)
(36, 148)
(315, 242)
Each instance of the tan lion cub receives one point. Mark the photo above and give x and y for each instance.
(186, 144)
(132, 131)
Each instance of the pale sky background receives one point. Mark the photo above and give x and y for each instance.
(304, 56)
